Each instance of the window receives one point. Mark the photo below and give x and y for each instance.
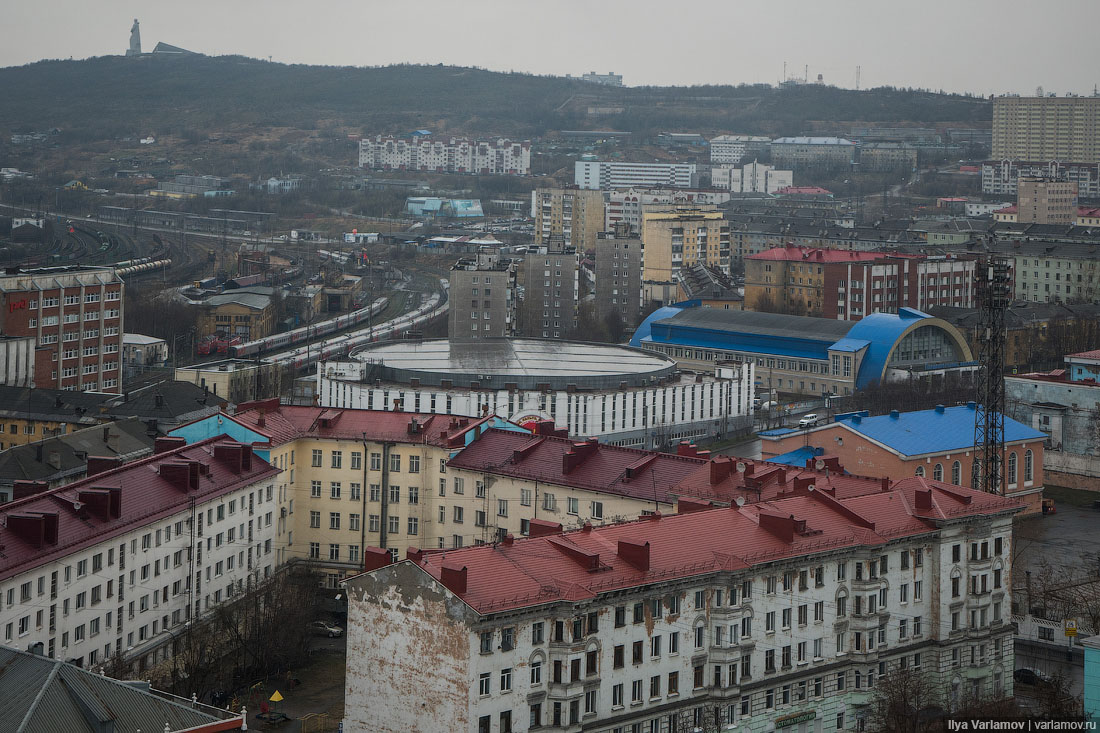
(502, 507)
(506, 679)
(376, 461)
(484, 684)
(1029, 458)
(673, 683)
(334, 520)
(337, 459)
(395, 462)
(956, 473)
(315, 520)
(574, 505)
(536, 672)
(316, 458)
(334, 489)
(414, 464)
(356, 460)
(315, 489)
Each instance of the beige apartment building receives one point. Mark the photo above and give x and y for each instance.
(1040, 129)
(567, 216)
(1046, 201)
(681, 237)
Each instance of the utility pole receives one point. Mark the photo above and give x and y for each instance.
(993, 286)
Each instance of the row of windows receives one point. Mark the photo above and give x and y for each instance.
(336, 460)
(1011, 474)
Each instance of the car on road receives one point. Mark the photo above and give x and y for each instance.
(1027, 676)
(808, 421)
(324, 628)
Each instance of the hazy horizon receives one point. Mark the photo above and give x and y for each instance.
(973, 47)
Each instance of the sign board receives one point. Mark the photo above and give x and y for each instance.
(795, 719)
(276, 697)
(1071, 627)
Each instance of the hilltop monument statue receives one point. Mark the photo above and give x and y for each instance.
(135, 40)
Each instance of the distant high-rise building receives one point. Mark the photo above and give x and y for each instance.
(730, 149)
(571, 216)
(619, 275)
(1000, 177)
(550, 291)
(1045, 129)
(1046, 201)
(482, 298)
(679, 238)
(608, 174)
(446, 155)
(610, 79)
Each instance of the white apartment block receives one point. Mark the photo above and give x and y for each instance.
(608, 174)
(751, 178)
(119, 562)
(782, 614)
(628, 204)
(1000, 177)
(497, 156)
(730, 149)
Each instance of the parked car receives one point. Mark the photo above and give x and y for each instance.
(1028, 676)
(324, 628)
(808, 421)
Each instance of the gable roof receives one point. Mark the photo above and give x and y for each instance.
(59, 456)
(44, 695)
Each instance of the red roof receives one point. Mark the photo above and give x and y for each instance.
(518, 573)
(1094, 354)
(1010, 209)
(46, 526)
(284, 423)
(814, 254)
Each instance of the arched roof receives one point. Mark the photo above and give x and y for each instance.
(645, 328)
(885, 331)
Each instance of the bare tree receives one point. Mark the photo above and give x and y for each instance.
(905, 701)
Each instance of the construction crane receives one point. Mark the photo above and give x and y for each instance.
(993, 290)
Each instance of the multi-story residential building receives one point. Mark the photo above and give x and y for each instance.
(1046, 201)
(848, 285)
(887, 157)
(122, 561)
(1000, 177)
(806, 152)
(496, 156)
(627, 205)
(752, 177)
(619, 395)
(482, 298)
(357, 478)
(807, 355)
(937, 443)
(567, 216)
(730, 149)
(619, 257)
(551, 291)
(74, 314)
(681, 237)
(610, 79)
(617, 174)
(1047, 128)
(1047, 272)
(765, 615)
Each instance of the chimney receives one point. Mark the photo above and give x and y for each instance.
(543, 528)
(159, 400)
(939, 409)
(508, 540)
(635, 553)
(374, 558)
(414, 554)
(414, 427)
(923, 500)
(780, 526)
(104, 503)
(22, 489)
(99, 464)
(106, 433)
(884, 482)
(261, 419)
(685, 448)
(720, 469)
(685, 505)
(38, 452)
(894, 414)
(169, 442)
(453, 577)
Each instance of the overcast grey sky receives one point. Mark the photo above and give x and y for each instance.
(982, 46)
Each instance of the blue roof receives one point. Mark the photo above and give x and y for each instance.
(644, 329)
(849, 344)
(777, 431)
(882, 330)
(931, 431)
(797, 457)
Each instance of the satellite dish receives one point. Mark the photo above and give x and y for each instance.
(740, 501)
(740, 467)
(811, 487)
(819, 464)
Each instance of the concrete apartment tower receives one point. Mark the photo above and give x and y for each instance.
(619, 274)
(1043, 200)
(482, 298)
(135, 40)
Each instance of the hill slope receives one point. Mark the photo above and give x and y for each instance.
(115, 95)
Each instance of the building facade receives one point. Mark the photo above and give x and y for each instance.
(887, 157)
(619, 395)
(848, 285)
(551, 291)
(619, 256)
(1000, 177)
(74, 314)
(613, 174)
(1047, 128)
(482, 298)
(628, 205)
(730, 149)
(1046, 201)
(120, 562)
(770, 616)
(681, 237)
(750, 178)
(810, 152)
(495, 156)
(239, 313)
(567, 216)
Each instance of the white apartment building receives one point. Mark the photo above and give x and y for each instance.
(730, 149)
(446, 155)
(117, 563)
(628, 204)
(781, 614)
(1001, 177)
(609, 174)
(750, 178)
